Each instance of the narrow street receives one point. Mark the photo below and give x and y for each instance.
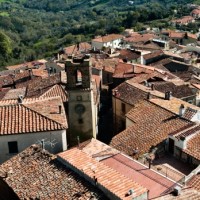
(105, 130)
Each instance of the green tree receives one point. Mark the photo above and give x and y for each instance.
(5, 45)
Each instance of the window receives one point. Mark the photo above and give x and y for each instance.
(80, 121)
(12, 146)
(78, 78)
(123, 107)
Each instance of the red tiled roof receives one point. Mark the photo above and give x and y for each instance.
(37, 85)
(27, 64)
(15, 93)
(151, 125)
(55, 91)
(186, 194)
(33, 115)
(140, 38)
(196, 11)
(107, 177)
(153, 55)
(40, 72)
(123, 70)
(128, 54)
(37, 174)
(83, 46)
(193, 147)
(194, 182)
(108, 38)
(154, 182)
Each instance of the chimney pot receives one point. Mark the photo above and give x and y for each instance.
(20, 99)
(148, 95)
(181, 110)
(168, 95)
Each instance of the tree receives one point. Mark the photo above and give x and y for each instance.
(5, 45)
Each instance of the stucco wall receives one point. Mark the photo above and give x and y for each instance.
(27, 139)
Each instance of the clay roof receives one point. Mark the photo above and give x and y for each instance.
(183, 20)
(37, 174)
(179, 91)
(154, 182)
(27, 65)
(194, 182)
(40, 72)
(196, 11)
(108, 178)
(131, 93)
(125, 165)
(151, 125)
(15, 93)
(153, 55)
(33, 115)
(193, 147)
(98, 150)
(55, 91)
(174, 104)
(136, 38)
(128, 54)
(83, 46)
(176, 35)
(108, 38)
(123, 70)
(37, 85)
(186, 193)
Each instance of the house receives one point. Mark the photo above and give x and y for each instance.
(181, 194)
(112, 41)
(185, 20)
(195, 13)
(155, 183)
(82, 47)
(28, 121)
(125, 96)
(148, 126)
(37, 174)
(129, 56)
(112, 183)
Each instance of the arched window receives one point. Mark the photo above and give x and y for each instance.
(78, 77)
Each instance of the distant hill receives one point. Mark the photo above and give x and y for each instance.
(39, 28)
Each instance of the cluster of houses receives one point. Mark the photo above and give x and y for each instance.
(49, 117)
(185, 20)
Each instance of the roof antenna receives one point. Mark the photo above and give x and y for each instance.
(78, 140)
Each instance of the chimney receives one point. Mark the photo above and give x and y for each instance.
(148, 95)
(152, 87)
(60, 109)
(181, 110)
(168, 95)
(30, 73)
(20, 99)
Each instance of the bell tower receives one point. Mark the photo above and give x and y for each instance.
(81, 109)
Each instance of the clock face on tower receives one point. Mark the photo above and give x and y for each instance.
(79, 109)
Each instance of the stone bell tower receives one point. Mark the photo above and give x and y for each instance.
(81, 109)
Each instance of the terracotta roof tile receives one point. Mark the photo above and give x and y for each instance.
(15, 93)
(83, 46)
(174, 104)
(136, 38)
(37, 174)
(186, 193)
(153, 55)
(193, 147)
(108, 38)
(33, 115)
(107, 177)
(194, 182)
(151, 125)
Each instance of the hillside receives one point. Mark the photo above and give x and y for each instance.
(39, 28)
